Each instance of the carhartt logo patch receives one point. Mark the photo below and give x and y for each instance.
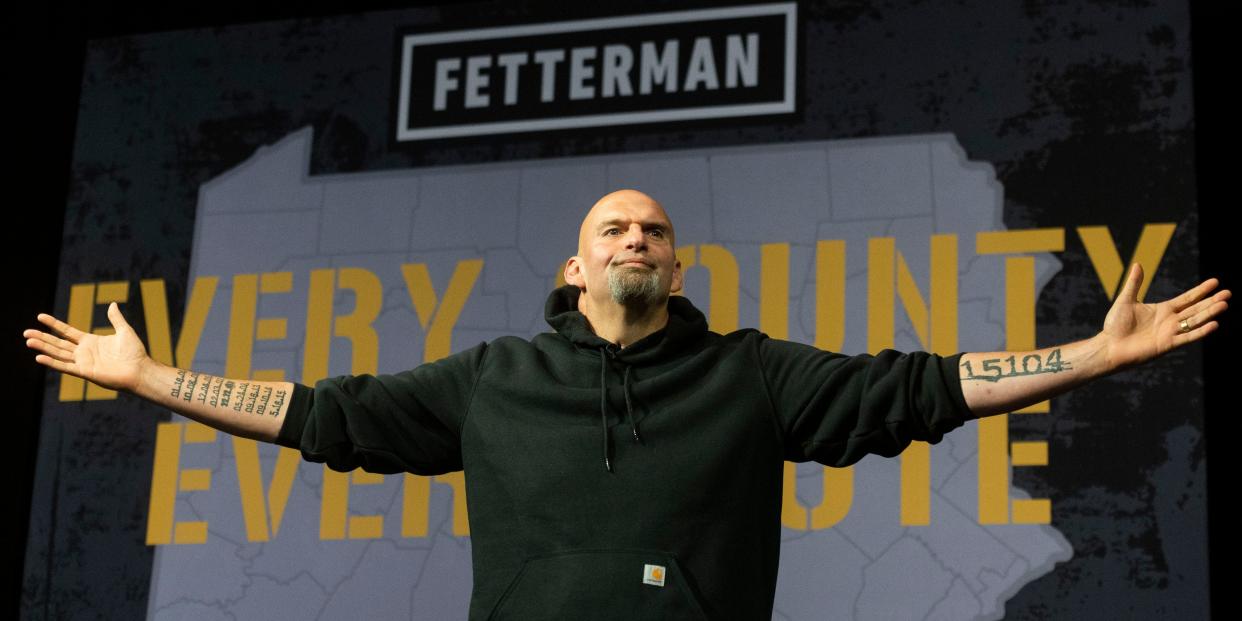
(653, 575)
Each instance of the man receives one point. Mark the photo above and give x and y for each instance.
(629, 465)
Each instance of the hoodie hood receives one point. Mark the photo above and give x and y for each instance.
(685, 324)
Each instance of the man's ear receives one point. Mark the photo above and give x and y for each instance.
(677, 278)
(573, 273)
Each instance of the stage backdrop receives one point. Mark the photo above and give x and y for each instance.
(361, 194)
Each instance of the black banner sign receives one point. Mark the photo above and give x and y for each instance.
(701, 64)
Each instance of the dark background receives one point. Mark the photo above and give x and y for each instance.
(48, 51)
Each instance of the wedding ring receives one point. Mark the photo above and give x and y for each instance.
(1183, 326)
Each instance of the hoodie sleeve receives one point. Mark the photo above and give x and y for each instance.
(407, 422)
(834, 409)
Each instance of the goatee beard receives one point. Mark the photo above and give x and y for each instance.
(633, 286)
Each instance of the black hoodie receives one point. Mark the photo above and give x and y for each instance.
(593, 472)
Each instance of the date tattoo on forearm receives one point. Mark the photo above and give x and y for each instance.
(997, 369)
(220, 392)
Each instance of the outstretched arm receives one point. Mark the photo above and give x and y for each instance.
(120, 362)
(1133, 333)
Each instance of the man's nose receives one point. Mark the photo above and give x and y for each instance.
(634, 238)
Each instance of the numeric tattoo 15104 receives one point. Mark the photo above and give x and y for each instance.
(997, 369)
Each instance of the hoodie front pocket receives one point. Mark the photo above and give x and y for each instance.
(600, 584)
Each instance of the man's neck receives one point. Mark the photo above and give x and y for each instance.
(623, 325)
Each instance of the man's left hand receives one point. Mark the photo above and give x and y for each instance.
(1135, 332)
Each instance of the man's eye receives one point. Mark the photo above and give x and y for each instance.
(612, 231)
(656, 233)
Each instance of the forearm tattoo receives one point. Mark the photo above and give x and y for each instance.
(178, 382)
(251, 398)
(280, 401)
(224, 393)
(242, 387)
(997, 369)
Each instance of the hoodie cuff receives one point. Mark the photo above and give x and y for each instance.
(295, 417)
(951, 372)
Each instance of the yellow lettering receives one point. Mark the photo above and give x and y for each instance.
(164, 483)
(318, 327)
(934, 319)
(994, 501)
(416, 502)
(838, 483)
(334, 504)
(1029, 453)
(81, 307)
(241, 326)
(105, 294)
(1033, 511)
(685, 257)
(1022, 241)
(439, 316)
(356, 326)
(256, 504)
(916, 484)
(888, 273)
(838, 486)
(944, 300)
(334, 509)
(838, 496)
(793, 514)
(82, 301)
(244, 329)
(721, 266)
(993, 470)
(830, 294)
(159, 333)
(155, 314)
(881, 253)
(167, 478)
(366, 526)
(1152, 243)
(774, 290)
(461, 520)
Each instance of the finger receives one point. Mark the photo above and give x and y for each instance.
(50, 339)
(1202, 305)
(117, 319)
(1129, 290)
(1195, 334)
(1206, 313)
(50, 350)
(52, 363)
(62, 328)
(1193, 295)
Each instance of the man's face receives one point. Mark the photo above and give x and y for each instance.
(626, 252)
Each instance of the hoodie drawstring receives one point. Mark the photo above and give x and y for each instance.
(629, 409)
(603, 405)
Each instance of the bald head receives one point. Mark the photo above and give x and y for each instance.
(620, 204)
(625, 254)
(626, 267)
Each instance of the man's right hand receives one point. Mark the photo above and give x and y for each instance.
(114, 361)
(252, 409)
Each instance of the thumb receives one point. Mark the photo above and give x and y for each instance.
(117, 319)
(1129, 290)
